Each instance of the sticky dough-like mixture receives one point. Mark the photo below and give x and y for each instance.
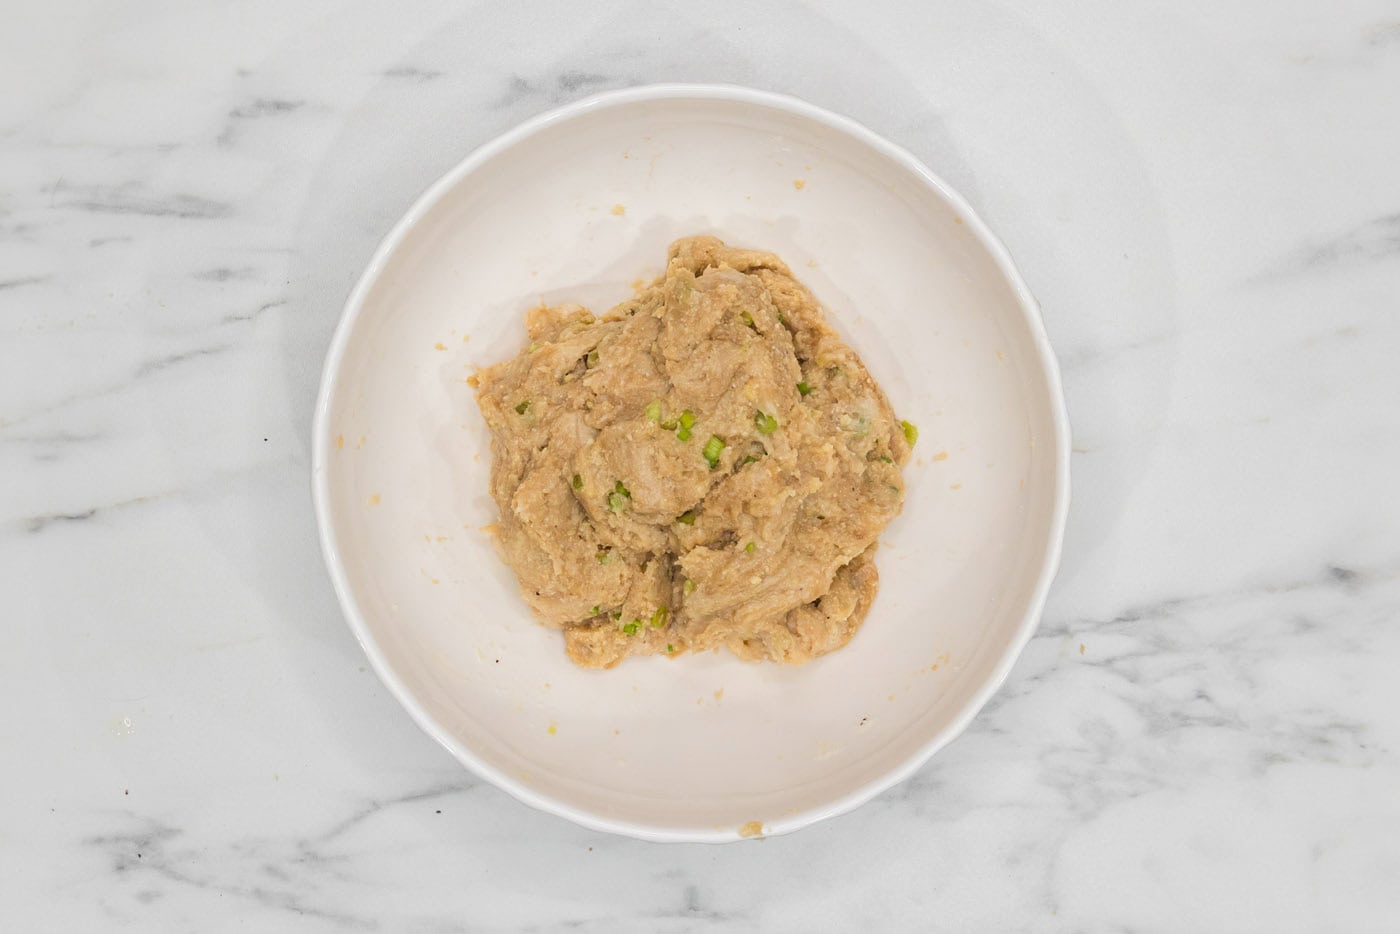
(707, 464)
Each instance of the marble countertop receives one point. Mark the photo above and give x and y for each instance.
(1203, 735)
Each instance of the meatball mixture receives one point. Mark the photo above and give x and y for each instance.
(707, 464)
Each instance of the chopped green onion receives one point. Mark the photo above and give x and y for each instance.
(689, 586)
(595, 611)
(750, 547)
(669, 424)
(766, 424)
(748, 319)
(578, 482)
(653, 410)
(604, 556)
(887, 460)
(748, 459)
(712, 450)
(617, 614)
(911, 432)
(687, 517)
(670, 648)
(803, 388)
(617, 499)
(686, 422)
(590, 361)
(632, 627)
(781, 319)
(658, 619)
(520, 409)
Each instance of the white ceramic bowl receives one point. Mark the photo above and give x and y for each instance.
(698, 747)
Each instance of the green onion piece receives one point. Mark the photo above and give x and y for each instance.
(590, 361)
(631, 628)
(750, 547)
(781, 319)
(617, 614)
(688, 586)
(803, 388)
(578, 482)
(653, 410)
(911, 432)
(748, 319)
(669, 424)
(748, 459)
(595, 611)
(617, 499)
(687, 517)
(604, 556)
(670, 648)
(686, 422)
(658, 619)
(712, 450)
(520, 409)
(887, 460)
(766, 424)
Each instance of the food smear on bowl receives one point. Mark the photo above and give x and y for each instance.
(705, 465)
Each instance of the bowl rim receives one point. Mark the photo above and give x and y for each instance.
(354, 305)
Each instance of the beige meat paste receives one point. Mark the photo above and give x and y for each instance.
(707, 464)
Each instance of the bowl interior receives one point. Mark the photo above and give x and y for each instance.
(578, 209)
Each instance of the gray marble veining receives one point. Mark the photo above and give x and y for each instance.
(1201, 735)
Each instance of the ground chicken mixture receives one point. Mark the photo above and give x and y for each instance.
(707, 464)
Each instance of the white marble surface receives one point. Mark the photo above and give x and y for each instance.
(1202, 736)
